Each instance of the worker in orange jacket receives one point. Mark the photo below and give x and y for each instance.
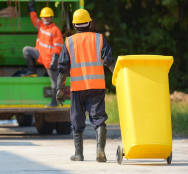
(84, 55)
(47, 50)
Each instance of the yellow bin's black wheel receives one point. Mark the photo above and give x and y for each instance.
(169, 159)
(119, 154)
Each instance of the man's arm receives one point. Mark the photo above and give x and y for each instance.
(107, 56)
(64, 68)
(35, 20)
(33, 15)
(58, 44)
(64, 61)
(57, 41)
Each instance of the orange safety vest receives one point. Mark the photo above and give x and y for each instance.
(87, 70)
(49, 40)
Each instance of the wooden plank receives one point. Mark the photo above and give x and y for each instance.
(20, 92)
(35, 110)
(25, 21)
(12, 60)
(6, 54)
(11, 47)
(45, 0)
(63, 116)
(23, 26)
(13, 38)
(16, 46)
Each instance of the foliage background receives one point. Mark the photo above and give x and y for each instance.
(156, 27)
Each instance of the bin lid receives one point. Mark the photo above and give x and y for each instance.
(136, 58)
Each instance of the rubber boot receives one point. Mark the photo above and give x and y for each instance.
(78, 143)
(53, 103)
(31, 68)
(101, 133)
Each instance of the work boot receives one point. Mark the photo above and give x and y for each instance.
(53, 103)
(78, 143)
(31, 68)
(101, 133)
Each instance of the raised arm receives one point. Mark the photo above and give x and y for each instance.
(33, 15)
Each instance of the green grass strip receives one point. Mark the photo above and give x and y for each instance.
(179, 112)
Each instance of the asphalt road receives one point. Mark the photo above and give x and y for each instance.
(23, 151)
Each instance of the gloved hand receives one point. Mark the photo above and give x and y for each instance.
(53, 65)
(60, 85)
(31, 6)
(111, 67)
(60, 97)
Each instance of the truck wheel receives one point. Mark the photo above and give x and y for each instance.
(24, 119)
(43, 127)
(63, 127)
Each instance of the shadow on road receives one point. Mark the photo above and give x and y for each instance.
(17, 144)
(159, 164)
(15, 132)
(151, 163)
(13, 163)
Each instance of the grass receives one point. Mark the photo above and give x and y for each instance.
(111, 108)
(179, 112)
(13, 117)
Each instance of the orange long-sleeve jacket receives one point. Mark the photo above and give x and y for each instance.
(49, 40)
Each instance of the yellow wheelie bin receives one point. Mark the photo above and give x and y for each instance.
(144, 107)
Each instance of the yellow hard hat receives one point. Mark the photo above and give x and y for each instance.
(81, 16)
(46, 12)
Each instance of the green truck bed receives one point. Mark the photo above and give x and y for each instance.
(20, 96)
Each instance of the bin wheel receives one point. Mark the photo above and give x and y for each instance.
(169, 159)
(119, 154)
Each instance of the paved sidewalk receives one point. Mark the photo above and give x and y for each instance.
(34, 154)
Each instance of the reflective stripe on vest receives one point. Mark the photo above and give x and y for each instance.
(86, 77)
(44, 45)
(58, 44)
(86, 64)
(37, 23)
(45, 32)
(78, 65)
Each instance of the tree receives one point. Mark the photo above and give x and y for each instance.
(145, 27)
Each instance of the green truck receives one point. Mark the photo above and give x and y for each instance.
(26, 97)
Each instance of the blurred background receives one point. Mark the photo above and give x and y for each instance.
(131, 27)
(158, 27)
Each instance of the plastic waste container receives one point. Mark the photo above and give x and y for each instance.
(144, 107)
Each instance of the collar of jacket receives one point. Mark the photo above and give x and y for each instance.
(84, 31)
(49, 26)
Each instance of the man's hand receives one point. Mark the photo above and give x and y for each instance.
(31, 6)
(60, 87)
(53, 65)
(111, 67)
(60, 97)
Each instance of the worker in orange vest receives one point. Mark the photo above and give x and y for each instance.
(84, 55)
(48, 46)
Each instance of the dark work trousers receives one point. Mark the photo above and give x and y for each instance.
(31, 52)
(91, 100)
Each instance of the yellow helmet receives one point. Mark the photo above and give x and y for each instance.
(46, 12)
(81, 16)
